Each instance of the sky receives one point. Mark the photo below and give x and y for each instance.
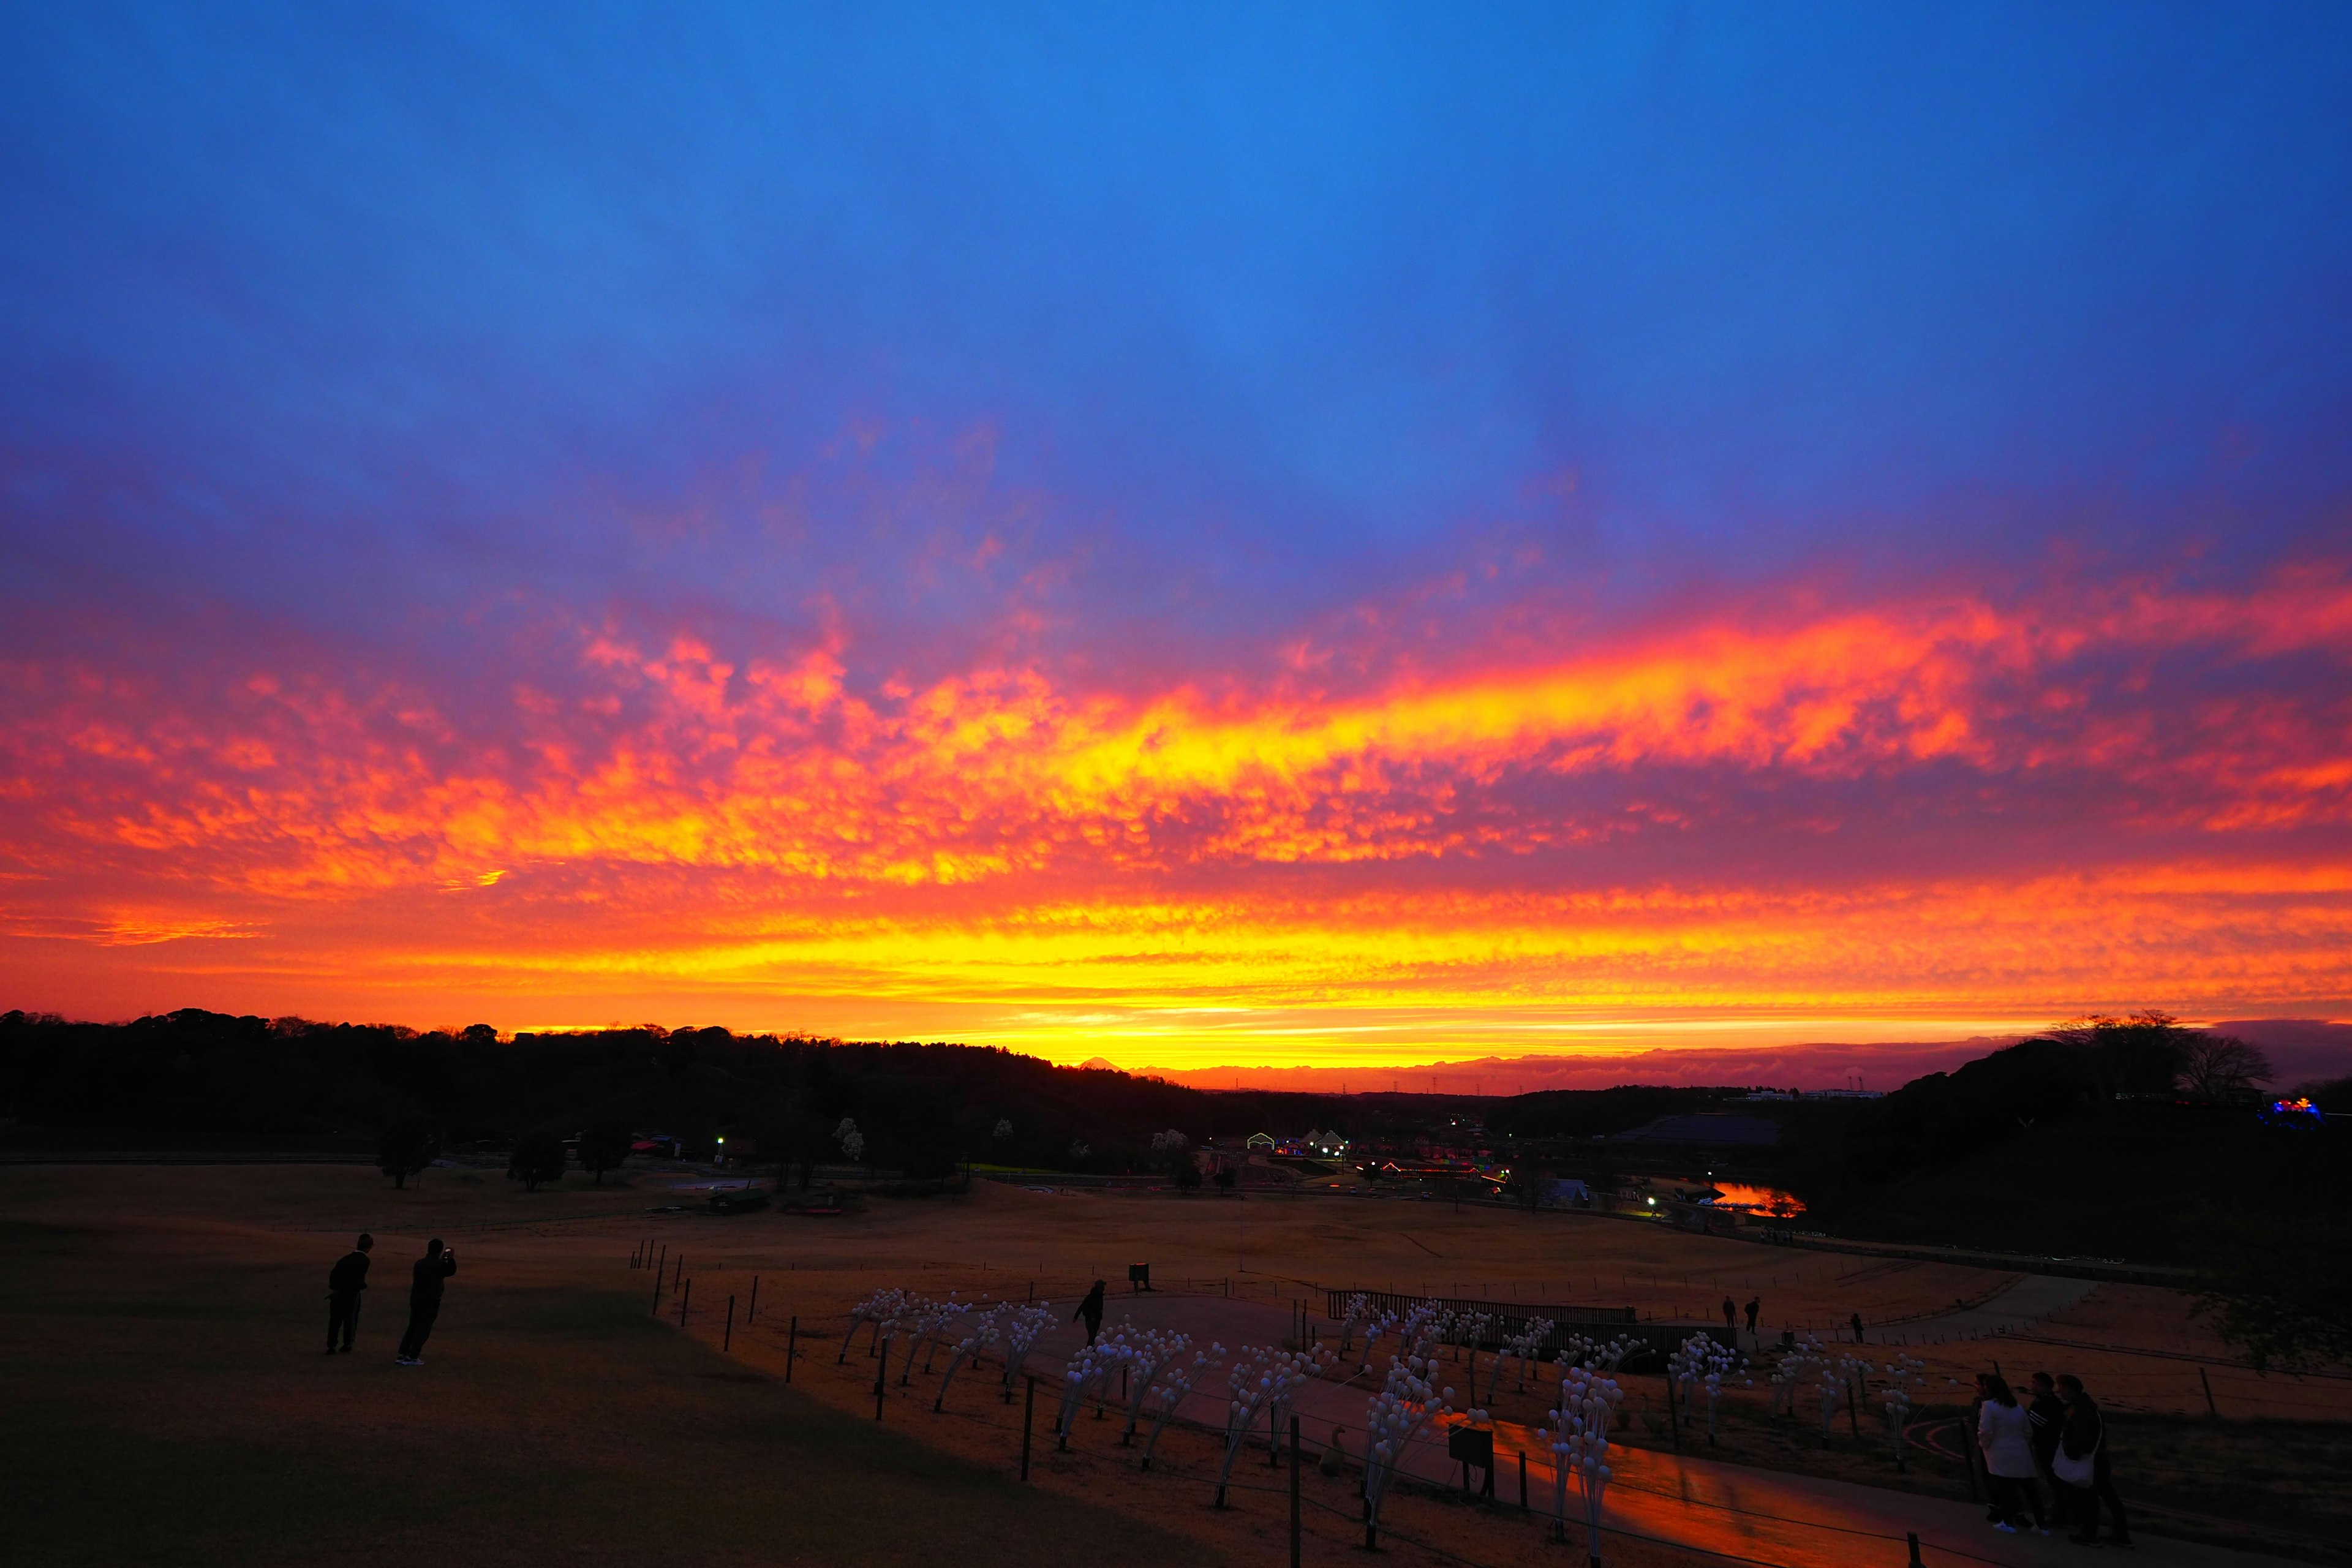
(1355, 536)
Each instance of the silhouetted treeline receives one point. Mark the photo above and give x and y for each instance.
(2080, 1142)
(920, 1108)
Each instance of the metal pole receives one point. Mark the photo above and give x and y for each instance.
(752, 1309)
(657, 1292)
(685, 1302)
(1294, 1492)
(1028, 1417)
(1523, 1480)
(726, 1340)
(2211, 1408)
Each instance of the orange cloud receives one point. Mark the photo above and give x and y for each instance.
(1779, 810)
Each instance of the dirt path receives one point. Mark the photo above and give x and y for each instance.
(2031, 1300)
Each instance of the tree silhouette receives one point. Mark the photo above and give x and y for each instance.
(537, 1158)
(603, 1148)
(408, 1145)
(2214, 1067)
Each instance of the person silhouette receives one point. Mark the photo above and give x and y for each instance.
(424, 1300)
(1730, 1315)
(1856, 1320)
(345, 1281)
(1755, 1305)
(1091, 1309)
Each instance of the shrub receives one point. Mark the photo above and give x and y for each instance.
(603, 1148)
(408, 1145)
(538, 1159)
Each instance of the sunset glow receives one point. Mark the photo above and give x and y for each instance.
(711, 599)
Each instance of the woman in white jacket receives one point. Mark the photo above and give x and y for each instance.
(2005, 1433)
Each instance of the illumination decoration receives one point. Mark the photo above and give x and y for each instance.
(2298, 1112)
(1167, 1392)
(883, 1304)
(981, 1330)
(1262, 1382)
(1525, 1344)
(1406, 1402)
(1089, 1372)
(1576, 1431)
(1150, 1354)
(1906, 1375)
(1701, 1364)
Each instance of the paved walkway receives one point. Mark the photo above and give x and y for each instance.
(1769, 1516)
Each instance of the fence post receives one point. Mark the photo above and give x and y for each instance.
(726, 1340)
(1911, 1538)
(1523, 1480)
(685, 1302)
(1294, 1492)
(2211, 1408)
(751, 1309)
(657, 1292)
(1028, 1417)
(791, 1346)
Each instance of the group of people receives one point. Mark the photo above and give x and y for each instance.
(2056, 1437)
(348, 1278)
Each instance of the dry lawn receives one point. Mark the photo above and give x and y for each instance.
(169, 1403)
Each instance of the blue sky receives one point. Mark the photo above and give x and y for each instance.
(1256, 313)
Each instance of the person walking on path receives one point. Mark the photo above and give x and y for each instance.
(424, 1300)
(2005, 1433)
(2047, 1412)
(345, 1281)
(1091, 1309)
(1730, 1316)
(2081, 1462)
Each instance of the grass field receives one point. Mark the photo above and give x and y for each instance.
(169, 1403)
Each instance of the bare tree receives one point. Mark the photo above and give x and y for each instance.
(2216, 1066)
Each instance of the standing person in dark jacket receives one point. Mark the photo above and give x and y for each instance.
(424, 1300)
(1091, 1309)
(2047, 1412)
(2086, 1439)
(1755, 1305)
(345, 1281)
